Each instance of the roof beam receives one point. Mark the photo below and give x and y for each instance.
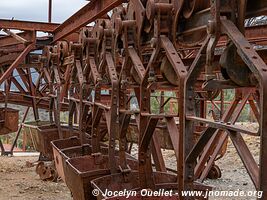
(16, 36)
(9, 40)
(27, 25)
(89, 13)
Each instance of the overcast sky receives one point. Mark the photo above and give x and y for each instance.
(37, 10)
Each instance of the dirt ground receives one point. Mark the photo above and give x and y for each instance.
(18, 182)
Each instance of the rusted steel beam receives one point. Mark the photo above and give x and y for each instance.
(18, 85)
(16, 62)
(23, 77)
(9, 40)
(9, 58)
(254, 34)
(20, 99)
(221, 125)
(157, 154)
(28, 25)
(246, 156)
(89, 13)
(26, 100)
(73, 37)
(16, 36)
(32, 92)
(19, 130)
(31, 65)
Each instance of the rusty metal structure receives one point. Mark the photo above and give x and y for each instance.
(137, 51)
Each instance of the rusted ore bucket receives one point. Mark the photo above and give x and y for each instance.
(164, 182)
(9, 120)
(64, 149)
(42, 134)
(71, 152)
(74, 146)
(130, 182)
(80, 171)
(76, 151)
